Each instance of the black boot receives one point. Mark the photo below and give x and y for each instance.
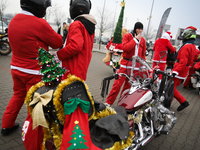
(183, 106)
(7, 131)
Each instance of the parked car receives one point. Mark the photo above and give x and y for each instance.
(104, 40)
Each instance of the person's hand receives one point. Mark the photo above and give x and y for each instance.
(138, 36)
(57, 59)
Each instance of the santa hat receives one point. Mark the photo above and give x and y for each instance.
(167, 35)
(190, 28)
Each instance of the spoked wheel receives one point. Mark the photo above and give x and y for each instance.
(5, 48)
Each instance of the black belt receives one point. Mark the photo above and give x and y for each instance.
(186, 65)
(127, 59)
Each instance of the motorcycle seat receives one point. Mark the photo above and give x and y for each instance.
(76, 90)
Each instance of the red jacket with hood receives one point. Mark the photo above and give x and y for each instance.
(77, 53)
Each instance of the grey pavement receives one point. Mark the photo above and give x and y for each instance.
(184, 136)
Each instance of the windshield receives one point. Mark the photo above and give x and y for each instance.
(138, 68)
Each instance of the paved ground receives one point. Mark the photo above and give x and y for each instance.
(184, 136)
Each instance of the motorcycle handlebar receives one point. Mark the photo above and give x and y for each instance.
(158, 71)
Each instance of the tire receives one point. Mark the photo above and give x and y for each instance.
(5, 48)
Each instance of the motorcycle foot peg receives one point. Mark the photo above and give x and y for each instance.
(163, 122)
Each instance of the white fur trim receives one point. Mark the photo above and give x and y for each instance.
(159, 61)
(166, 36)
(128, 67)
(180, 77)
(175, 72)
(26, 13)
(30, 71)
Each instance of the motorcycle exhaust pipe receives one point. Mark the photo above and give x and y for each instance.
(149, 137)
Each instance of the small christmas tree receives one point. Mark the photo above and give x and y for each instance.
(117, 37)
(77, 138)
(50, 68)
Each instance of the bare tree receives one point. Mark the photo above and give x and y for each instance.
(55, 14)
(105, 23)
(3, 5)
(151, 34)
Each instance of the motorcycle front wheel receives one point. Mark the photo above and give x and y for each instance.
(5, 48)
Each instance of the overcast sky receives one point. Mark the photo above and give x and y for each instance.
(183, 13)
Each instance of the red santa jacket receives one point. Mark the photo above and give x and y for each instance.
(185, 59)
(131, 46)
(162, 45)
(77, 53)
(26, 34)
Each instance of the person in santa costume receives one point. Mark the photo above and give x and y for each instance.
(162, 44)
(77, 52)
(185, 57)
(27, 32)
(187, 84)
(132, 44)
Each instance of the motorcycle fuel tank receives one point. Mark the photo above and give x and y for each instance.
(136, 99)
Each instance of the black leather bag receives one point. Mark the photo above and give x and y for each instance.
(171, 57)
(169, 93)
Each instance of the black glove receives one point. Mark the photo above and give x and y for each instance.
(174, 74)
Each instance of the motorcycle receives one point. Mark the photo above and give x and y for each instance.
(5, 48)
(195, 80)
(147, 116)
(67, 109)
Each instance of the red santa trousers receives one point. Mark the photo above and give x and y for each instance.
(21, 84)
(177, 95)
(188, 79)
(161, 67)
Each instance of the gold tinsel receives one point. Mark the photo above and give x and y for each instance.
(30, 93)
(55, 129)
(106, 112)
(138, 119)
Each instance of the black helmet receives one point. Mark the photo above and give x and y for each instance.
(79, 7)
(37, 7)
(189, 33)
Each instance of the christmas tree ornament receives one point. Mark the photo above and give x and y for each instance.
(50, 67)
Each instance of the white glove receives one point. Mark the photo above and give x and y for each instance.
(56, 59)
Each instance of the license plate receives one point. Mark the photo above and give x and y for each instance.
(198, 84)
